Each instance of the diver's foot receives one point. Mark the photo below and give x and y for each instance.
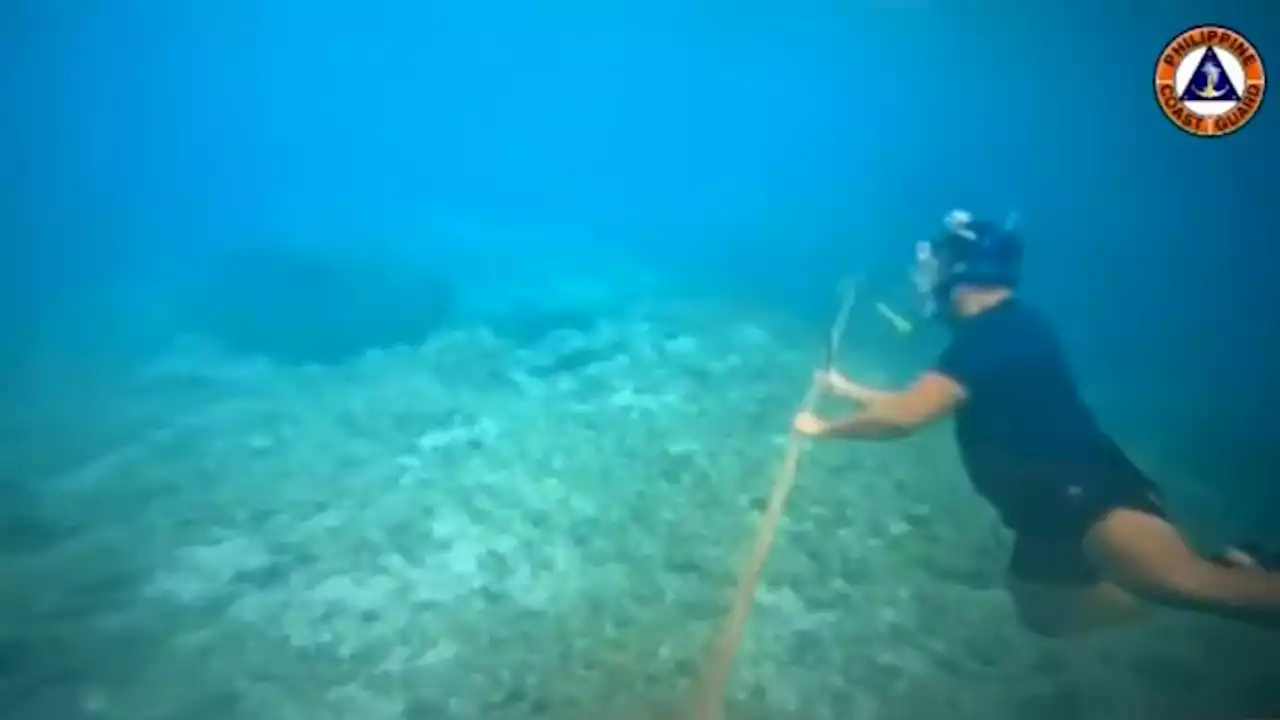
(1237, 559)
(1255, 557)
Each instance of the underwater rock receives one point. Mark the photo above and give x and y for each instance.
(299, 305)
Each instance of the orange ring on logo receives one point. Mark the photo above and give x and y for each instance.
(1223, 40)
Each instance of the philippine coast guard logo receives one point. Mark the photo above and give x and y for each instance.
(1210, 80)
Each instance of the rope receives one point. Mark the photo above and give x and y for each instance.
(709, 700)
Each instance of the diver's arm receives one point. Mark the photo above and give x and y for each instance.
(866, 424)
(846, 388)
(891, 415)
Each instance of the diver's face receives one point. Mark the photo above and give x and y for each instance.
(924, 276)
(936, 301)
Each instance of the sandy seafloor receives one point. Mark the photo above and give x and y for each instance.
(476, 528)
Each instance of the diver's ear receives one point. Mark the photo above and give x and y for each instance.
(1011, 221)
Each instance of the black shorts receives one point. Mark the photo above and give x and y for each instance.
(1055, 518)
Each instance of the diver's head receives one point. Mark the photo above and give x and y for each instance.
(968, 267)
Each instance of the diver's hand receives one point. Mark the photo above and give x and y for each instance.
(832, 380)
(809, 425)
(1237, 558)
(822, 377)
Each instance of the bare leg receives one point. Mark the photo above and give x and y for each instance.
(1146, 556)
(1052, 610)
(1060, 610)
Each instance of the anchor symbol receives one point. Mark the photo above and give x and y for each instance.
(1212, 77)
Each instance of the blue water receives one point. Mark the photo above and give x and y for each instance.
(431, 360)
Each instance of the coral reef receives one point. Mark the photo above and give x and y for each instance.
(547, 525)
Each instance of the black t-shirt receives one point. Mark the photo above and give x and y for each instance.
(1024, 431)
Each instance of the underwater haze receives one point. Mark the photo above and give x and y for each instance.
(406, 361)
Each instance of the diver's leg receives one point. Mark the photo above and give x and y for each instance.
(1057, 591)
(1144, 554)
(1049, 607)
(1061, 610)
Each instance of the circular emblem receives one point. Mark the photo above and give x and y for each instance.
(1210, 80)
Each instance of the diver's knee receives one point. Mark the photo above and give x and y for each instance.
(1045, 627)
(1070, 611)
(1042, 621)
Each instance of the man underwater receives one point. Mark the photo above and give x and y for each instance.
(1092, 544)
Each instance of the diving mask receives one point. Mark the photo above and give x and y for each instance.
(966, 251)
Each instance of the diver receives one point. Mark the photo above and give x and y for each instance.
(1092, 544)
